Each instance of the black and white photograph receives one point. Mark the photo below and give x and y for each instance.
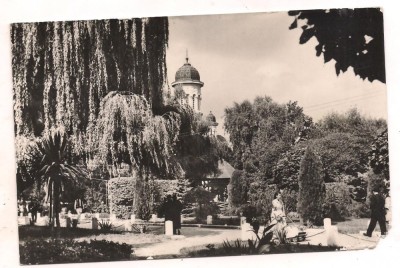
(154, 138)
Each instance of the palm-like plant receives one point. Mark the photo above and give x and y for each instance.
(55, 171)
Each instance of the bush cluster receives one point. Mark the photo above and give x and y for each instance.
(122, 191)
(260, 196)
(53, 251)
(337, 201)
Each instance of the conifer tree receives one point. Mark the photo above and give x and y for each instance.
(311, 189)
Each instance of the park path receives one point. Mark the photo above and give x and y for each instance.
(173, 246)
(347, 241)
(315, 237)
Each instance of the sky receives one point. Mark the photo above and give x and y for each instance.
(211, 60)
(241, 56)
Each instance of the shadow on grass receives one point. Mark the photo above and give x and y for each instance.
(45, 232)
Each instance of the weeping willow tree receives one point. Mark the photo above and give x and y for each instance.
(62, 71)
(128, 133)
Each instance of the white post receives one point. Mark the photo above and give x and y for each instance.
(247, 232)
(209, 219)
(242, 221)
(332, 235)
(327, 223)
(128, 226)
(169, 228)
(133, 218)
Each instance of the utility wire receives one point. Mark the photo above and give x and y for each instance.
(346, 99)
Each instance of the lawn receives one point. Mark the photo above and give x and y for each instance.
(353, 226)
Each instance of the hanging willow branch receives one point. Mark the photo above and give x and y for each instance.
(128, 132)
(62, 71)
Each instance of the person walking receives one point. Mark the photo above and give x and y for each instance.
(377, 206)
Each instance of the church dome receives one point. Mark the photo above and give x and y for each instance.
(187, 72)
(211, 119)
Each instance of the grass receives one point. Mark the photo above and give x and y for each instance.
(44, 232)
(353, 226)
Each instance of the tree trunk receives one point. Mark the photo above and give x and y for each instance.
(51, 213)
(56, 199)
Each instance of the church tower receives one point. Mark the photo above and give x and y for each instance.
(187, 86)
(212, 124)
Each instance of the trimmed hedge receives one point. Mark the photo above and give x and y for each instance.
(40, 251)
(120, 194)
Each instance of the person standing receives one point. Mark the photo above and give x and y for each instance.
(377, 206)
(168, 210)
(278, 212)
(388, 208)
(176, 217)
(33, 209)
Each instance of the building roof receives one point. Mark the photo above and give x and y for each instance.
(225, 169)
(211, 118)
(186, 73)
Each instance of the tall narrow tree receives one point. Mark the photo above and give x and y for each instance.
(311, 188)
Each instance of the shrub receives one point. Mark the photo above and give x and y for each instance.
(290, 198)
(148, 196)
(203, 200)
(237, 189)
(311, 189)
(260, 196)
(337, 201)
(105, 225)
(359, 209)
(228, 221)
(66, 251)
(121, 191)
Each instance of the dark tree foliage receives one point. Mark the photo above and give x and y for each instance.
(341, 154)
(286, 170)
(203, 201)
(311, 189)
(379, 155)
(260, 132)
(351, 37)
(196, 151)
(238, 188)
(62, 70)
(352, 122)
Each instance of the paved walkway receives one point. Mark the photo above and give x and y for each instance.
(314, 237)
(347, 241)
(173, 246)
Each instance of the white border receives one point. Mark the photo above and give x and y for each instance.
(46, 10)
